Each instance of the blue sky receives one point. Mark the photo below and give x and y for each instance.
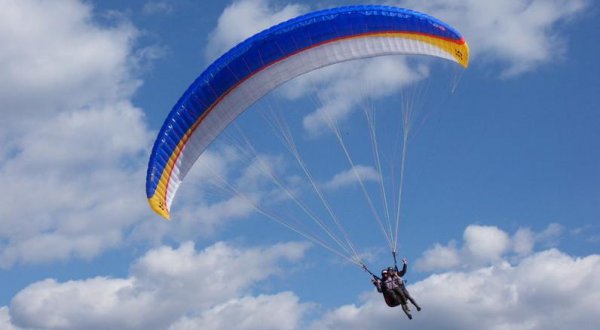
(500, 207)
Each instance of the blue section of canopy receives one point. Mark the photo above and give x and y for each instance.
(270, 46)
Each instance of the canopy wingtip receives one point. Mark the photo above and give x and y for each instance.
(159, 207)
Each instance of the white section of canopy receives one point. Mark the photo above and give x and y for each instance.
(259, 84)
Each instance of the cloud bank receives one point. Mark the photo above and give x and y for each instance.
(72, 144)
(185, 288)
(485, 290)
(169, 287)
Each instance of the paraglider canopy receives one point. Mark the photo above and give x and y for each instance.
(268, 59)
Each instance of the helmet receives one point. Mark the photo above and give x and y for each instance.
(390, 269)
(385, 271)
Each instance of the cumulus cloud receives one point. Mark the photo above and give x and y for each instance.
(180, 287)
(59, 60)
(485, 242)
(111, 301)
(521, 35)
(72, 145)
(244, 18)
(5, 322)
(185, 288)
(280, 311)
(440, 257)
(485, 245)
(75, 147)
(544, 290)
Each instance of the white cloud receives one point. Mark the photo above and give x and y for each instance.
(439, 257)
(485, 245)
(523, 241)
(167, 286)
(90, 304)
(521, 35)
(550, 235)
(184, 288)
(545, 290)
(245, 18)
(338, 91)
(352, 176)
(5, 322)
(279, 311)
(72, 146)
(67, 182)
(485, 242)
(215, 271)
(59, 60)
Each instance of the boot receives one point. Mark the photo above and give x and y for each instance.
(407, 311)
